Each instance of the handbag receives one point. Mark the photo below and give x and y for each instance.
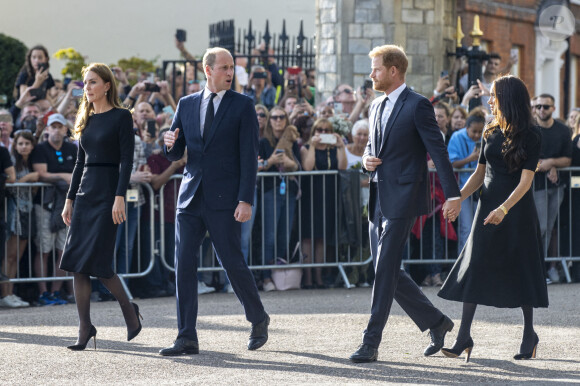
(288, 278)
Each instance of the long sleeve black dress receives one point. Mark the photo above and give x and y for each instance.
(102, 171)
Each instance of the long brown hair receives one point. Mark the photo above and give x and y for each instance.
(87, 109)
(27, 66)
(268, 130)
(18, 160)
(513, 118)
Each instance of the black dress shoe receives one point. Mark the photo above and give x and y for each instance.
(181, 346)
(259, 334)
(531, 354)
(458, 349)
(365, 353)
(437, 335)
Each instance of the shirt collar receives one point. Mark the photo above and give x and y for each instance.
(393, 96)
(207, 93)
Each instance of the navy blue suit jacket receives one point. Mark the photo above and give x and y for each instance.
(227, 161)
(411, 132)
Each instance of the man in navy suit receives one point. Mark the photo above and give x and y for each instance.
(403, 130)
(219, 129)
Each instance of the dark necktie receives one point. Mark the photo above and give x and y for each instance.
(378, 129)
(209, 114)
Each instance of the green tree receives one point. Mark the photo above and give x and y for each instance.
(12, 57)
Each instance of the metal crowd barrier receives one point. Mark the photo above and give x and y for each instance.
(346, 247)
(339, 255)
(33, 189)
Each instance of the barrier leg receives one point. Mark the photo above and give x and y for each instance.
(347, 284)
(125, 287)
(566, 271)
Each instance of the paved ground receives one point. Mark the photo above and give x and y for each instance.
(311, 335)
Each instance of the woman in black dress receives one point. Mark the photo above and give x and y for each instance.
(98, 187)
(501, 264)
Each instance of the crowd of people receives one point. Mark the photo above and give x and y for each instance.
(295, 134)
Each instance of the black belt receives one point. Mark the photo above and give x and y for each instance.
(102, 164)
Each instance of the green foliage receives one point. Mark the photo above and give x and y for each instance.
(74, 62)
(135, 66)
(12, 57)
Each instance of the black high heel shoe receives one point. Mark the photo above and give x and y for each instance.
(457, 349)
(82, 346)
(134, 333)
(531, 354)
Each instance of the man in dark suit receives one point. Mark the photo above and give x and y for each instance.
(219, 129)
(402, 130)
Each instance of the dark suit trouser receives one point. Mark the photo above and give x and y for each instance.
(225, 233)
(388, 238)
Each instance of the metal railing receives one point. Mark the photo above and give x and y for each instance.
(338, 223)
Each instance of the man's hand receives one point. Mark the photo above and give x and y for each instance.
(141, 176)
(451, 209)
(371, 163)
(553, 175)
(170, 137)
(544, 165)
(243, 212)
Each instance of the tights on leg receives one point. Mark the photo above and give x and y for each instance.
(466, 320)
(529, 338)
(115, 287)
(82, 288)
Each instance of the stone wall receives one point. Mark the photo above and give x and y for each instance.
(348, 29)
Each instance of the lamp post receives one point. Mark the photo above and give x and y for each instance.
(475, 56)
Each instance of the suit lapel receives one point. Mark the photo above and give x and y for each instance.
(221, 112)
(196, 122)
(393, 117)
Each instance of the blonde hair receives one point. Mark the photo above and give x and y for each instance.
(392, 56)
(87, 109)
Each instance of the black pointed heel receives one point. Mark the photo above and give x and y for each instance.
(457, 349)
(82, 346)
(531, 354)
(134, 333)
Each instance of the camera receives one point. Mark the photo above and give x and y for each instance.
(279, 151)
(180, 35)
(37, 93)
(444, 73)
(151, 128)
(152, 87)
(77, 92)
(29, 124)
(291, 83)
(478, 145)
(367, 84)
(260, 75)
(328, 139)
(42, 66)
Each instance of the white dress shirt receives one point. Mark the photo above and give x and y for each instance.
(203, 105)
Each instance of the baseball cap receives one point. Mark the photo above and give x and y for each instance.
(57, 118)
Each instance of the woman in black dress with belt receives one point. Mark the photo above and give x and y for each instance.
(98, 187)
(501, 264)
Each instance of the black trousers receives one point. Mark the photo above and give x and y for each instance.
(388, 238)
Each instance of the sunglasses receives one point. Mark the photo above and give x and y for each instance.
(261, 115)
(277, 117)
(323, 130)
(545, 107)
(59, 157)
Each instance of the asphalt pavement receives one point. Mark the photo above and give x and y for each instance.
(312, 333)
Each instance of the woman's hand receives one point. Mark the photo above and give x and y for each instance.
(339, 142)
(40, 77)
(67, 212)
(118, 210)
(495, 217)
(276, 158)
